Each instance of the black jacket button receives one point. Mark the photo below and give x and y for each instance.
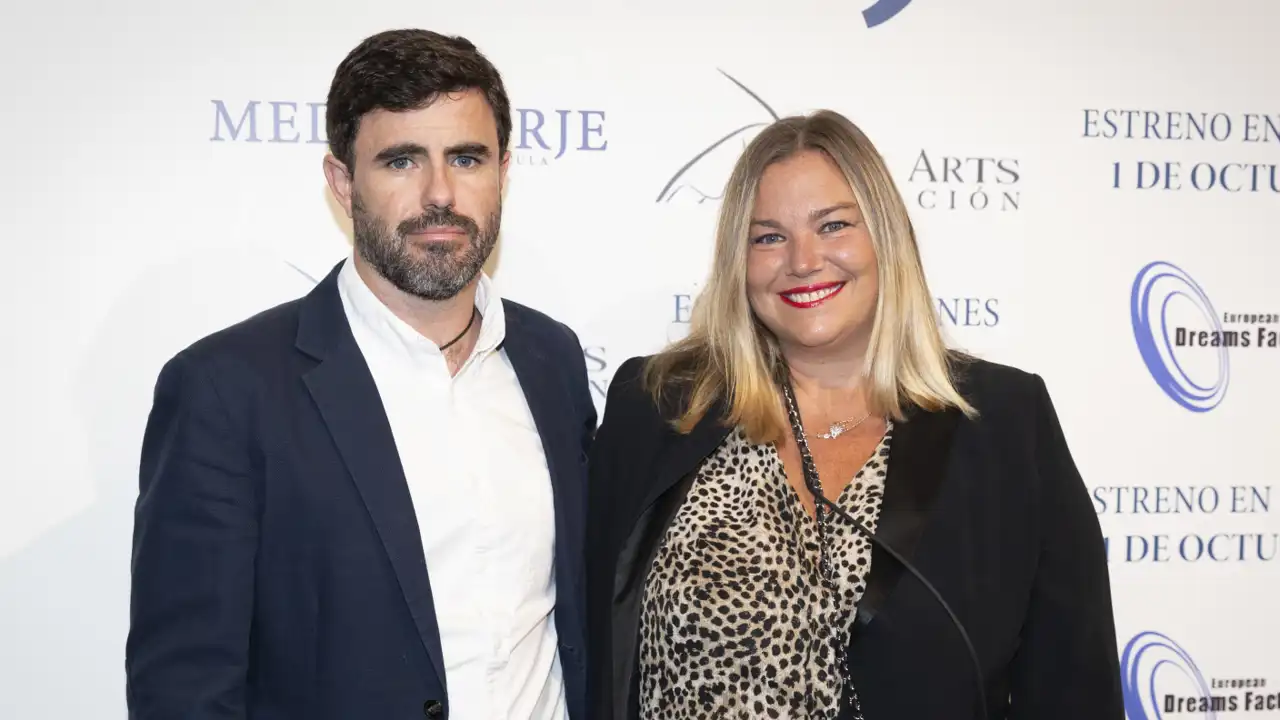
(433, 709)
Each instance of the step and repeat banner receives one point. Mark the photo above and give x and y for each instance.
(1094, 184)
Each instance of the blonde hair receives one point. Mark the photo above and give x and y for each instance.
(729, 356)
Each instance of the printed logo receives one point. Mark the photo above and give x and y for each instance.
(598, 375)
(1148, 657)
(538, 136)
(979, 312)
(1185, 342)
(702, 177)
(883, 11)
(1159, 680)
(961, 312)
(1186, 130)
(688, 181)
(966, 183)
(1158, 290)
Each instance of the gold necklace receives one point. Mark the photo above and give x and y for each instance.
(839, 428)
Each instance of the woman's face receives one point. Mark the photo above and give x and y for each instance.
(811, 269)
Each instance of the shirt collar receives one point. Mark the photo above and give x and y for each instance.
(396, 335)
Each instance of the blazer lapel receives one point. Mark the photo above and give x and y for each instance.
(641, 532)
(344, 391)
(682, 454)
(549, 403)
(917, 467)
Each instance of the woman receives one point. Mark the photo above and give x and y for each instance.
(719, 587)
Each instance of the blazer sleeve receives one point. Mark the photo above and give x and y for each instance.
(618, 419)
(581, 384)
(194, 544)
(1067, 666)
(607, 449)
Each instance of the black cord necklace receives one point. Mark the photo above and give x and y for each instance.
(472, 321)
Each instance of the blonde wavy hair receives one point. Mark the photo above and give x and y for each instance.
(730, 357)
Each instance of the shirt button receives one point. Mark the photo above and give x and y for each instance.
(433, 709)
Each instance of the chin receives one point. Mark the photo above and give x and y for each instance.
(813, 345)
(429, 252)
(836, 340)
(808, 340)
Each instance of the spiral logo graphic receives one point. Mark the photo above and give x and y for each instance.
(1157, 286)
(1148, 658)
(883, 11)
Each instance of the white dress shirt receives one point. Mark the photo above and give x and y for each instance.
(478, 478)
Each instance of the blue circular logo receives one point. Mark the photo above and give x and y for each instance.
(1159, 287)
(1147, 657)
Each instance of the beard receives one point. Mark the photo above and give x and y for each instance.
(435, 271)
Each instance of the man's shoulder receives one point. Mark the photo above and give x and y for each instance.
(540, 325)
(254, 339)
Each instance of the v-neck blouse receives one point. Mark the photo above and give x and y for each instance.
(736, 621)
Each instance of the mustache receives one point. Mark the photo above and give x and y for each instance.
(438, 217)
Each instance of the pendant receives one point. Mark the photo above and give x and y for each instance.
(833, 432)
(839, 428)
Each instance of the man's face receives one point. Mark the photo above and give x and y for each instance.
(424, 193)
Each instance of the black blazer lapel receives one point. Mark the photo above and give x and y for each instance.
(918, 456)
(550, 403)
(685, 453)
(344, 391)
(674, 470)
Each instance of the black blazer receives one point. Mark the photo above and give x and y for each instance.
(992, 511)
(278, 569)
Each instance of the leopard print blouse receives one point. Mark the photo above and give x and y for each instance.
(735, 621)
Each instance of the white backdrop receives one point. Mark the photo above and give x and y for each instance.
(145, 209)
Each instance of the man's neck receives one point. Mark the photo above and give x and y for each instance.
(439, 321)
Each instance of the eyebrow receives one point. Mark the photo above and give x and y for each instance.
(412, 148)
(814, 215)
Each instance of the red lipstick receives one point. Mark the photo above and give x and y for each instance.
(808, 296)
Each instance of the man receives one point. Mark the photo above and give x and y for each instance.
(366, 503)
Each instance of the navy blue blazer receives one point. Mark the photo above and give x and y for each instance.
(278, 569)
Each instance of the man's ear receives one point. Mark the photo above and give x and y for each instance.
(339, 178)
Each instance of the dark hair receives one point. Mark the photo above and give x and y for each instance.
(400, 70)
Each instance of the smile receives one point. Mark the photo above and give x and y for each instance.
(810, 295)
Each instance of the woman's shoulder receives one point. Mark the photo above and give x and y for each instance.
(632, 390)
(993, 387)
(630, 401)
(627, 387)
(649, 393)
(1014, 405)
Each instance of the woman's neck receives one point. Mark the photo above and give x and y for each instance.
(828, 387)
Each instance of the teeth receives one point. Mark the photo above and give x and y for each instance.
(813, 296)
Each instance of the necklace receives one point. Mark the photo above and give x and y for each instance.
(470, 322)
(822, 511)
(839, 428)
